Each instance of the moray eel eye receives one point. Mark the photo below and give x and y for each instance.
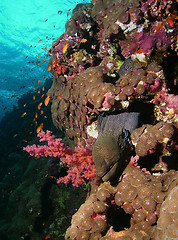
(125, 133)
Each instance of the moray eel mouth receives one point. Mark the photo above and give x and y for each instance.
(111, 172)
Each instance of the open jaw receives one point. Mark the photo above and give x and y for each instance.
(111, 172)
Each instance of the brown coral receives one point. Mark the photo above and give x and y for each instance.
(142, 202)
(75, 103)
(168, 219)
(146, 137)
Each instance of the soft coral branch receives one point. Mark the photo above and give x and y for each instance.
(80, 161)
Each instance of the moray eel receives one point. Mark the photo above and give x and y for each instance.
(127, 65)
(112, 149)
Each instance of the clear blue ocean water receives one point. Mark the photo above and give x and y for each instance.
(22, 25)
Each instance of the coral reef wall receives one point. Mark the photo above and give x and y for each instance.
(112, 54)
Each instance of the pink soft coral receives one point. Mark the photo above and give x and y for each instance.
(79, 161)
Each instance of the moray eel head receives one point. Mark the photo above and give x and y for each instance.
(106, 155)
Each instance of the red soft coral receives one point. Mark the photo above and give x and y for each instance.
(80, 161)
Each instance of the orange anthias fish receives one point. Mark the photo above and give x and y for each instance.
(60, 98)
(83, 40)
(38, 81)
(39, 40)
(38, 55)
(65, 48)
(14, 95)
(33, 97)
(45, 48)
(67, 14)
(39, 128)
(39, 105)
(139, 51)
(170, 21)
(23, 114)
(46, 101)
(159, 27)
(43, 60)
(49, 68)
(47, 236)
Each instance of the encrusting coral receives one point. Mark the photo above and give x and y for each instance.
(139, 195)
(148, 136)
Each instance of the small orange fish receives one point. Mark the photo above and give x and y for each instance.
(42, 95)
(93, 1)
(38, 64)
(139, 51)
(52, 177)
(43, 60)
(46, 36)
(45, 49)
(42, 111)
(14, 95)
(15, 135)
(38, 81)
(49, 68)
(34, 98)
(38, 91)
(46, 101)
(170, 21)
(83, 40)
(38, 55)
(34, 89)
(67, 14)
(36, 115)
(43, 88)
(47, 236)
(65, 48)
(39, 40)
(60, 98)
(25, 105)
(39, 105)
(23, 114)
(159, 27)
(25, 140)
(44, 77)
(66, 58)
(39, 128)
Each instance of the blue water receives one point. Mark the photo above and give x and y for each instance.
(22, 24)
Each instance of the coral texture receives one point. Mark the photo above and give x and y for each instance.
(114, 56)
(139, 195)
(102, 62)
(147, 137)
(168, 219)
